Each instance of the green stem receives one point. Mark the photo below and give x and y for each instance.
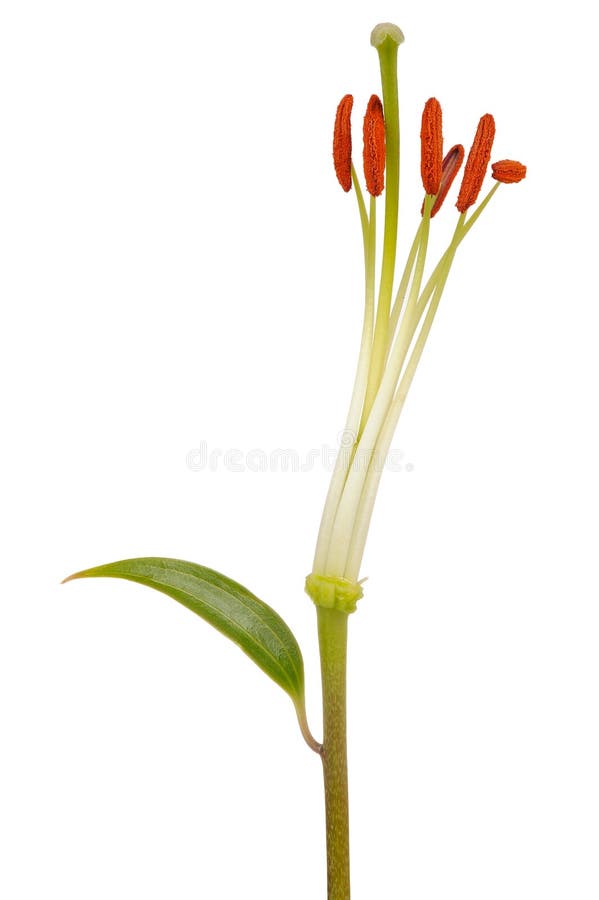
(332, 638)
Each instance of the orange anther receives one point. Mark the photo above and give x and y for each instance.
(342, 142)
(509, 171)
(477, 162)
(374, 147)
(431, 146)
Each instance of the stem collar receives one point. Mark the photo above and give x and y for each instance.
(334, 592)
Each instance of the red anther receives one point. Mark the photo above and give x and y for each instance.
(431, 146)
(342, 142)
(374, 147)
(508, 171)
(477, 162)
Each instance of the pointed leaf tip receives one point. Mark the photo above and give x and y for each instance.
(72, 577)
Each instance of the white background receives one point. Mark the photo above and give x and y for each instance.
(179, 265)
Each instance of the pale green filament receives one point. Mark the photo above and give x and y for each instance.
(373, 419)
(356, 502)
(421, 257)
(481, 206)
(383, 443)
(403, 286)
(361, 210)
(349, 436)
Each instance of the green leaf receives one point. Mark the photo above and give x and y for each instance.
(231, 608)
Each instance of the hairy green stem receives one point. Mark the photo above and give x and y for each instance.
(332, 638)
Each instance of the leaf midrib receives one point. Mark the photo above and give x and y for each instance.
(244, 603)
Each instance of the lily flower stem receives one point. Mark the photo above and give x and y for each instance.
(394, 335)
(332, 638)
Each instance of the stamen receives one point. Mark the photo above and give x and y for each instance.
(508, 171)
(431, 146)
(452, 164)
(342, 142)
(477, 162)
(374, 147)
